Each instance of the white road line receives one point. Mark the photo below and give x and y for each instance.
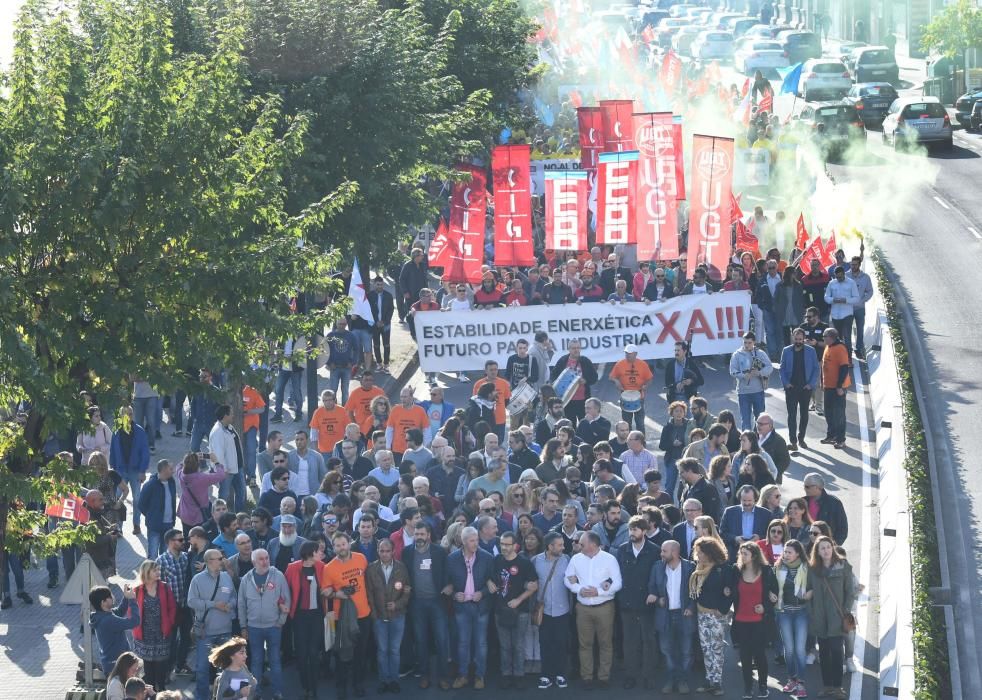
(941, 202)
(975, 233)
(862, 600)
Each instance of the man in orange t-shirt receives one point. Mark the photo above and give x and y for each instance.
(836, 379)
(327, 423)
(632, 374)
(359, 402)
(405, 415)
(343, 578)
(504, 394)
(253, 404)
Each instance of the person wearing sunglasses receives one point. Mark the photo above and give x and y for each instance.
(175, 571)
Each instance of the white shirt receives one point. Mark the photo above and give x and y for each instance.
(673, 584)
(267, 483)
(456, 304)
(303, 485)
(699, 290)
(594, 571)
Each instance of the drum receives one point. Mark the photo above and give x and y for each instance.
(631, 401)
(522, 397)
(566, 384)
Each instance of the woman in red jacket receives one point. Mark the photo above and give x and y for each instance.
(307, 612)
(152, 637)
(772, 546)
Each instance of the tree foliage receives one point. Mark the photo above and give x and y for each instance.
(144, 224)
(954, 29)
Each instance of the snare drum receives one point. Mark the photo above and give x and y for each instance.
(566, 384)
(521, 398)
(631, 401)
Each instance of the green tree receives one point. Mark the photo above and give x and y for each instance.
(954, 30)
(143, 219)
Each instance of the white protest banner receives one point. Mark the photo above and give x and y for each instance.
(538, 168)
(464, 340)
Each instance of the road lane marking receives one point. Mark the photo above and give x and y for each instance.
(942, 202)
(975, 233)
(862, 600)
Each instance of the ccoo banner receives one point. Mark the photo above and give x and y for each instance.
(616, 191)
(464, 340)
(566, 204)
(512, 205)
(709, 206)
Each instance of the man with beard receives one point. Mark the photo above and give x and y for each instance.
(545, 429)
(612, 532)
(636, 557)
(682, 376)
(800, 375)
(815, 339)
(426, 563)
(589, 291)
(701, 419)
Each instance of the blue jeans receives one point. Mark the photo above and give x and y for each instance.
(859, 321)
(472, 628)
(751, 406)
(388, 639)
(671, 476)
(202, 669)
(261, 640)
(143, 410)
(199, 432)
(249, 448)
(155, 541)
(844, 326)
(772, 328)
(16, 567)
(338, 380)
(232, 490)
(429, 616)
(69, 556)
(288, 376)
(793, 623)
(676, 645)
(133, 481)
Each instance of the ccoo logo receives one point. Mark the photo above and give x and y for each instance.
(653, 139)
(712, 163)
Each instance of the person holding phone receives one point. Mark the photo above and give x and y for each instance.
(234, 681)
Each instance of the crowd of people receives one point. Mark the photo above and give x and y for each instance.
(426, 540)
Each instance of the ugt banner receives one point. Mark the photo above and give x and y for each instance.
(468, 206)
(512, 205)
(655, 206)
(464, 340)
(566, 204)
(617, 121)
(617, 179)
(709, 206)
(679, 157)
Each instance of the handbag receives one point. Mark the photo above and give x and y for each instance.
(848, 619)
(330, 632)
(540, 607)
(198, 628)
(205, 511)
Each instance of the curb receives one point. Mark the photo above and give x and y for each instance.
(400, 380)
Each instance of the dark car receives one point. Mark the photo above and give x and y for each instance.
(976, 118)
(874, 64)
(964, 105)
(833, 126)
(800, 46)
(871, 100)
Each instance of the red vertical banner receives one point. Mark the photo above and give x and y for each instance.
(512, 205)
(566, 209)
(655, 203)
(468, 206)
(618, 125)
(709, 206)
(671, 71)
(617, 178)
(679, 158)
(591, 127)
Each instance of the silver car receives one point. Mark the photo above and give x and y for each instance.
(917, 119)
(825, 76)
(713, 44)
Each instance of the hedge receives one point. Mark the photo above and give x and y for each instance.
(932, 674)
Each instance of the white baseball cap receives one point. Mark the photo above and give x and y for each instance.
(631, 348)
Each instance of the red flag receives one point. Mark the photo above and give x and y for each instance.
(617, 177)
(746, 88)
(679, 158)
(828, 254)
(745, 240)
(766, 103)
(69, 508)
(801, 237)
(575, 98)
(655, 204)
(648, 34)
(671, 71)
(468, 206)
(437, 254)
(617, 123)
(712, 175)
(814, 250)
(512, 205)
(566, 213)
(736, 212)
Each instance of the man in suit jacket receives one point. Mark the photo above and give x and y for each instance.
(636, 557)
(316, 468)
(471, 610)
(675, 614)
(682, 376)
(383, 306)
(426, 563)
(746, 522)
(685, 532)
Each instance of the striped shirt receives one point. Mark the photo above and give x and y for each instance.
(638, 463)
(174, 571)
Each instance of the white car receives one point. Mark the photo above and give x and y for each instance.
(922, 119)
(761, 31)
(823, 75)
(759, 54)
(713, 44)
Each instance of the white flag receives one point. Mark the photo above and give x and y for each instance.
(358, 296)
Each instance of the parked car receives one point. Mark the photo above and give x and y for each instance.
(713, 44)
(758, 54)
(682, 41)
(667, 28)
(824, 76)
(872, 100)
(800, 46)
(964, 105)
(832, 126)
(762, 31)
(921, 119)
(720, 20)
(651, 18)
(742, 25)
(681, 9)
(874, 63)
(975, 121)
(844, 52)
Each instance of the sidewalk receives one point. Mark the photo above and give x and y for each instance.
(42, 643)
